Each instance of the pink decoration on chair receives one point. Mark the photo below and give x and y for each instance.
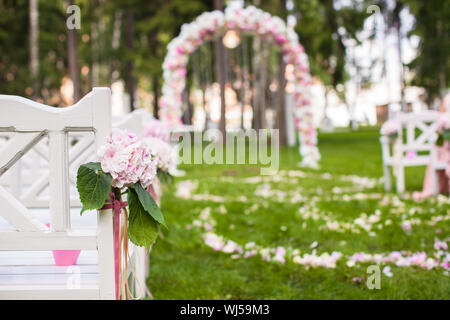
(65, 257)
(411, 154)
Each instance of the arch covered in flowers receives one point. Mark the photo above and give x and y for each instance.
(210, 25)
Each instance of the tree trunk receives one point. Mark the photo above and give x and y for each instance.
(442, 76)
(74, 69)
(155, 97)
(95, 66)
(34, 46)
(115, 43)
(221, 73)
(281, 114)
(245, 82)
(187, 117)
(263, 85)
(397, 23)
(129, 43)
(256, 66)
(281, 119)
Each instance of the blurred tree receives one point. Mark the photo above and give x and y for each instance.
(391, 13)
(34, 46)
(322, 27)
(431, 66)
(72, 55)
(281, 113)
(14, 53)
(157, 22)
(130, 79)
(16, 48)
(221, 71)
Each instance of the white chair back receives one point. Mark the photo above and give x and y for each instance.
(26, 124)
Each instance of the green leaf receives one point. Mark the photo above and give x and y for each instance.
(149, 204)
(142, 228)
(164, 177)
(93, 186)
(446, 135)
(440, 140)
(93, 165)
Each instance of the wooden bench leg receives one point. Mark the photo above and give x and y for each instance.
(387, 178)
(141, 271)
(435, 181)
(400, 179)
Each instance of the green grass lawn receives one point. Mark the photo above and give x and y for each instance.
(306, 212)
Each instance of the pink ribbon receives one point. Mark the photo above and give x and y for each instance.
(116, 205)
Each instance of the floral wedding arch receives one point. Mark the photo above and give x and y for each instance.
(210, 25)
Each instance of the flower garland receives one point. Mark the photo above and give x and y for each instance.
(210, 25)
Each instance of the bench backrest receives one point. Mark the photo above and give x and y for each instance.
(420, 130)
(30, 176)
(26, 124)
(29, 124)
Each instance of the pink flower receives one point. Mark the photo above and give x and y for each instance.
(279, 255)
(440, 245)
(127, 159)
(411, 154)
(444, 122)
(406, 225)
(214, 241)
(280, 38)
(182, 72)
(250, 253)
(180, 50)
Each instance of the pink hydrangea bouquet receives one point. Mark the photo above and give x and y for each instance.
(128, 165)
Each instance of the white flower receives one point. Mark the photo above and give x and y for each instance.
(314, 244)
(387, 271)
(163, 152)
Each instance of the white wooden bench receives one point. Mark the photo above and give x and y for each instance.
(41, 150)
(417, 133)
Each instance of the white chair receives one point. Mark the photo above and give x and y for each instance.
(27, 270)
(420, 136)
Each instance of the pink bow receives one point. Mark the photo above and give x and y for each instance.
(116, 205)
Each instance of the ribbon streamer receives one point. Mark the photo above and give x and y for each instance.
(117, 206)
(121, 241)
